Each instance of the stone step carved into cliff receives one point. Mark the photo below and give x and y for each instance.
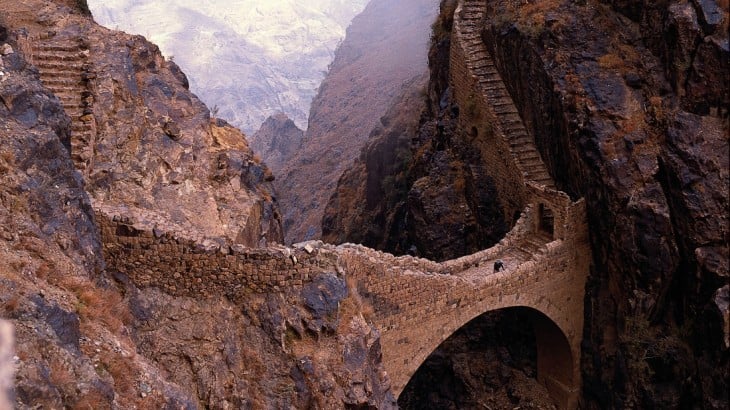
(62, 63)
(492, 93)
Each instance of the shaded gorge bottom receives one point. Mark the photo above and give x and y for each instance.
(491, 362)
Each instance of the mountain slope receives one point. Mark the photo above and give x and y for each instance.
(386, 46)
(268, 56)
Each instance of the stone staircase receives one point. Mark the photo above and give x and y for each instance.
(494, 91)
(64, 70)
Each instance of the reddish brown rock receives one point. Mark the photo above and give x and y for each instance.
(86, 337)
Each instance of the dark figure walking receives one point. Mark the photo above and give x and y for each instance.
(498, 265)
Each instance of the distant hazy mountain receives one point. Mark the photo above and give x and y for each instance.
(250, 58)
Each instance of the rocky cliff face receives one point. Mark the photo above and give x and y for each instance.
(385, 47)
(157, 148)
(86, 337)
(629, 109)
(617, 127)
(419, 186)
(277, 141)
(141, 139)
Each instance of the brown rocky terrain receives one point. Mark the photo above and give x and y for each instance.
(96, 118)
(384, 48)
(628, 104)
(277, 141)
(140, 138)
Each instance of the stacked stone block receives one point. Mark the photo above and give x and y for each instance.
(64, 70)
(212, 268)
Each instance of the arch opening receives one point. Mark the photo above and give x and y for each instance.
(504, 358)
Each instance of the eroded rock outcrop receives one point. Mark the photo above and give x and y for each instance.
(277, 141)
(140, 137)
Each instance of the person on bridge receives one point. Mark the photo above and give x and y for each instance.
(498, 265)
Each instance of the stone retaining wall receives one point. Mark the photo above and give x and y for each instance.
(475, 112)
(182, 267)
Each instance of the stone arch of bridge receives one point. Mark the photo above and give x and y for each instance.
(556, 361)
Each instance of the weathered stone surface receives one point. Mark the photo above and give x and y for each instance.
(257, 354)
(652, 162)
(79, 346)
(141, 139)
(64, 323)
(322, 297)
(690, 38)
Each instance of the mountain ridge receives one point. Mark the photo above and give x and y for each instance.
(270, 56)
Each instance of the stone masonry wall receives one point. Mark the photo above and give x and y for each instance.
(417, 303)
(417, 311)
(474, 112)
(183, 267)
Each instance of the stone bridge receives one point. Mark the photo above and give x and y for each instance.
(417, 303)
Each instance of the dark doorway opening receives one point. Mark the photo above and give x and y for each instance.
(547, 220)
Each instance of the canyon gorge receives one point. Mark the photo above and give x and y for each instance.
(494, 204)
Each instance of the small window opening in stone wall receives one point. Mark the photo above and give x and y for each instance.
(547, 220)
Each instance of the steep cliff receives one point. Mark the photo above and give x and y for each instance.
(157, 148)
(419, 185)
(617, 128)
(92, 117)
(385, 47)
(628, 106)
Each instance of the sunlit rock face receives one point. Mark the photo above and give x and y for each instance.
(248, 58)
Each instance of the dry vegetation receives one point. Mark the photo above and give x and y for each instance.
(529, 16)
